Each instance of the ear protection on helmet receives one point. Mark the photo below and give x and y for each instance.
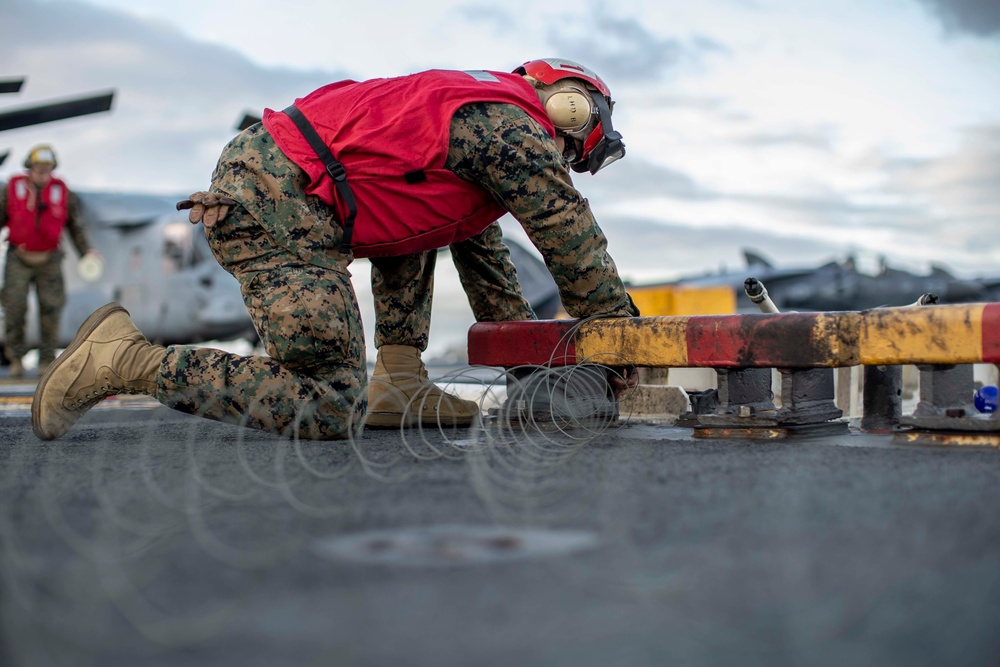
(570, 110)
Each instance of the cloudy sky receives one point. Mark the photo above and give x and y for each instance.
(803, 128)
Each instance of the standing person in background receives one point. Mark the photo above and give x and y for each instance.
(36, 207)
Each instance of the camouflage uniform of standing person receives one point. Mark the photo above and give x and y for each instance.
(389, 169)
(36, 207)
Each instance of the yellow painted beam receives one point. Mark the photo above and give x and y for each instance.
(928, 335)
(656, 342)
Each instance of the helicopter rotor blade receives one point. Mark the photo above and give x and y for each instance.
(11, 85)
(44, 113)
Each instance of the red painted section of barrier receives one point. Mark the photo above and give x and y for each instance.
(991, 333)
(716, 340)
(782, 340)
(528, 342)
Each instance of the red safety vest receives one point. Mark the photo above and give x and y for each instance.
(392, 137)
(36, 227)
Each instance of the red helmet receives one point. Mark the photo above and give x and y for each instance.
(597, 144)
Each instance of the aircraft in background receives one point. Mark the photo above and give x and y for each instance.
(159, 266)
(833, 286)
(49, 111)
(156, 264)
(843, 285)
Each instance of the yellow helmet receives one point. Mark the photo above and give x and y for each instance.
(41, 154)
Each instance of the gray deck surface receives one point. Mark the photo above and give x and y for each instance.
(146, 537)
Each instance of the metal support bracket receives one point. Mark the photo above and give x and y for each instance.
(743, 405)
(945, 413)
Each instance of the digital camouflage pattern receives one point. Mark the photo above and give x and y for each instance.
(503, 149)
(283, 247)
(299, 228)
(18, 278)
(298, 291)
(49, 288)
(403, 288)
(313, 383)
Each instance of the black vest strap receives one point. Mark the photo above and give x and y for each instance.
(333, 167)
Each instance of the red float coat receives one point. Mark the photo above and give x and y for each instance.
(32, 226)
(392, 137)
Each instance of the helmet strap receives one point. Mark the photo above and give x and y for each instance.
(610, 148)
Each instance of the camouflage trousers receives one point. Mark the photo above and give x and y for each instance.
(282, 244)
(51, 292)
(403, 288)
(298, 292)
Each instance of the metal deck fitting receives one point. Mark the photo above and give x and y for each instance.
(804, 347)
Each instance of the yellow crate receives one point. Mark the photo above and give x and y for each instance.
(655, 300)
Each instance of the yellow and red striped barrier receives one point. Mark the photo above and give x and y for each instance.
(954, 334)
(950, 334)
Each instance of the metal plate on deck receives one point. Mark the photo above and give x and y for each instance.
(947, 438)
(450, 545)
(774, 432)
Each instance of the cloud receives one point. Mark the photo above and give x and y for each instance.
(177, 100)
(700, 158)
(976, 17)
(929, 210)
(960, 191)
(498, 19)
(637, 178)
(658, 251)
(621, 48)
(816, 138)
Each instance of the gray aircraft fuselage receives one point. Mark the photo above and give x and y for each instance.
(156, 264)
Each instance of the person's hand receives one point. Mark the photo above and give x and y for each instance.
(207, 208)
(622, 379)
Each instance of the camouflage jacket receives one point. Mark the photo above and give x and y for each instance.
(502, 149)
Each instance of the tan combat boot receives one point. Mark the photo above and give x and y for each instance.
(108, 356)
(399, 387)
(16, 369)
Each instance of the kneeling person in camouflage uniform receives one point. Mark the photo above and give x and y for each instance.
(391, 170)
